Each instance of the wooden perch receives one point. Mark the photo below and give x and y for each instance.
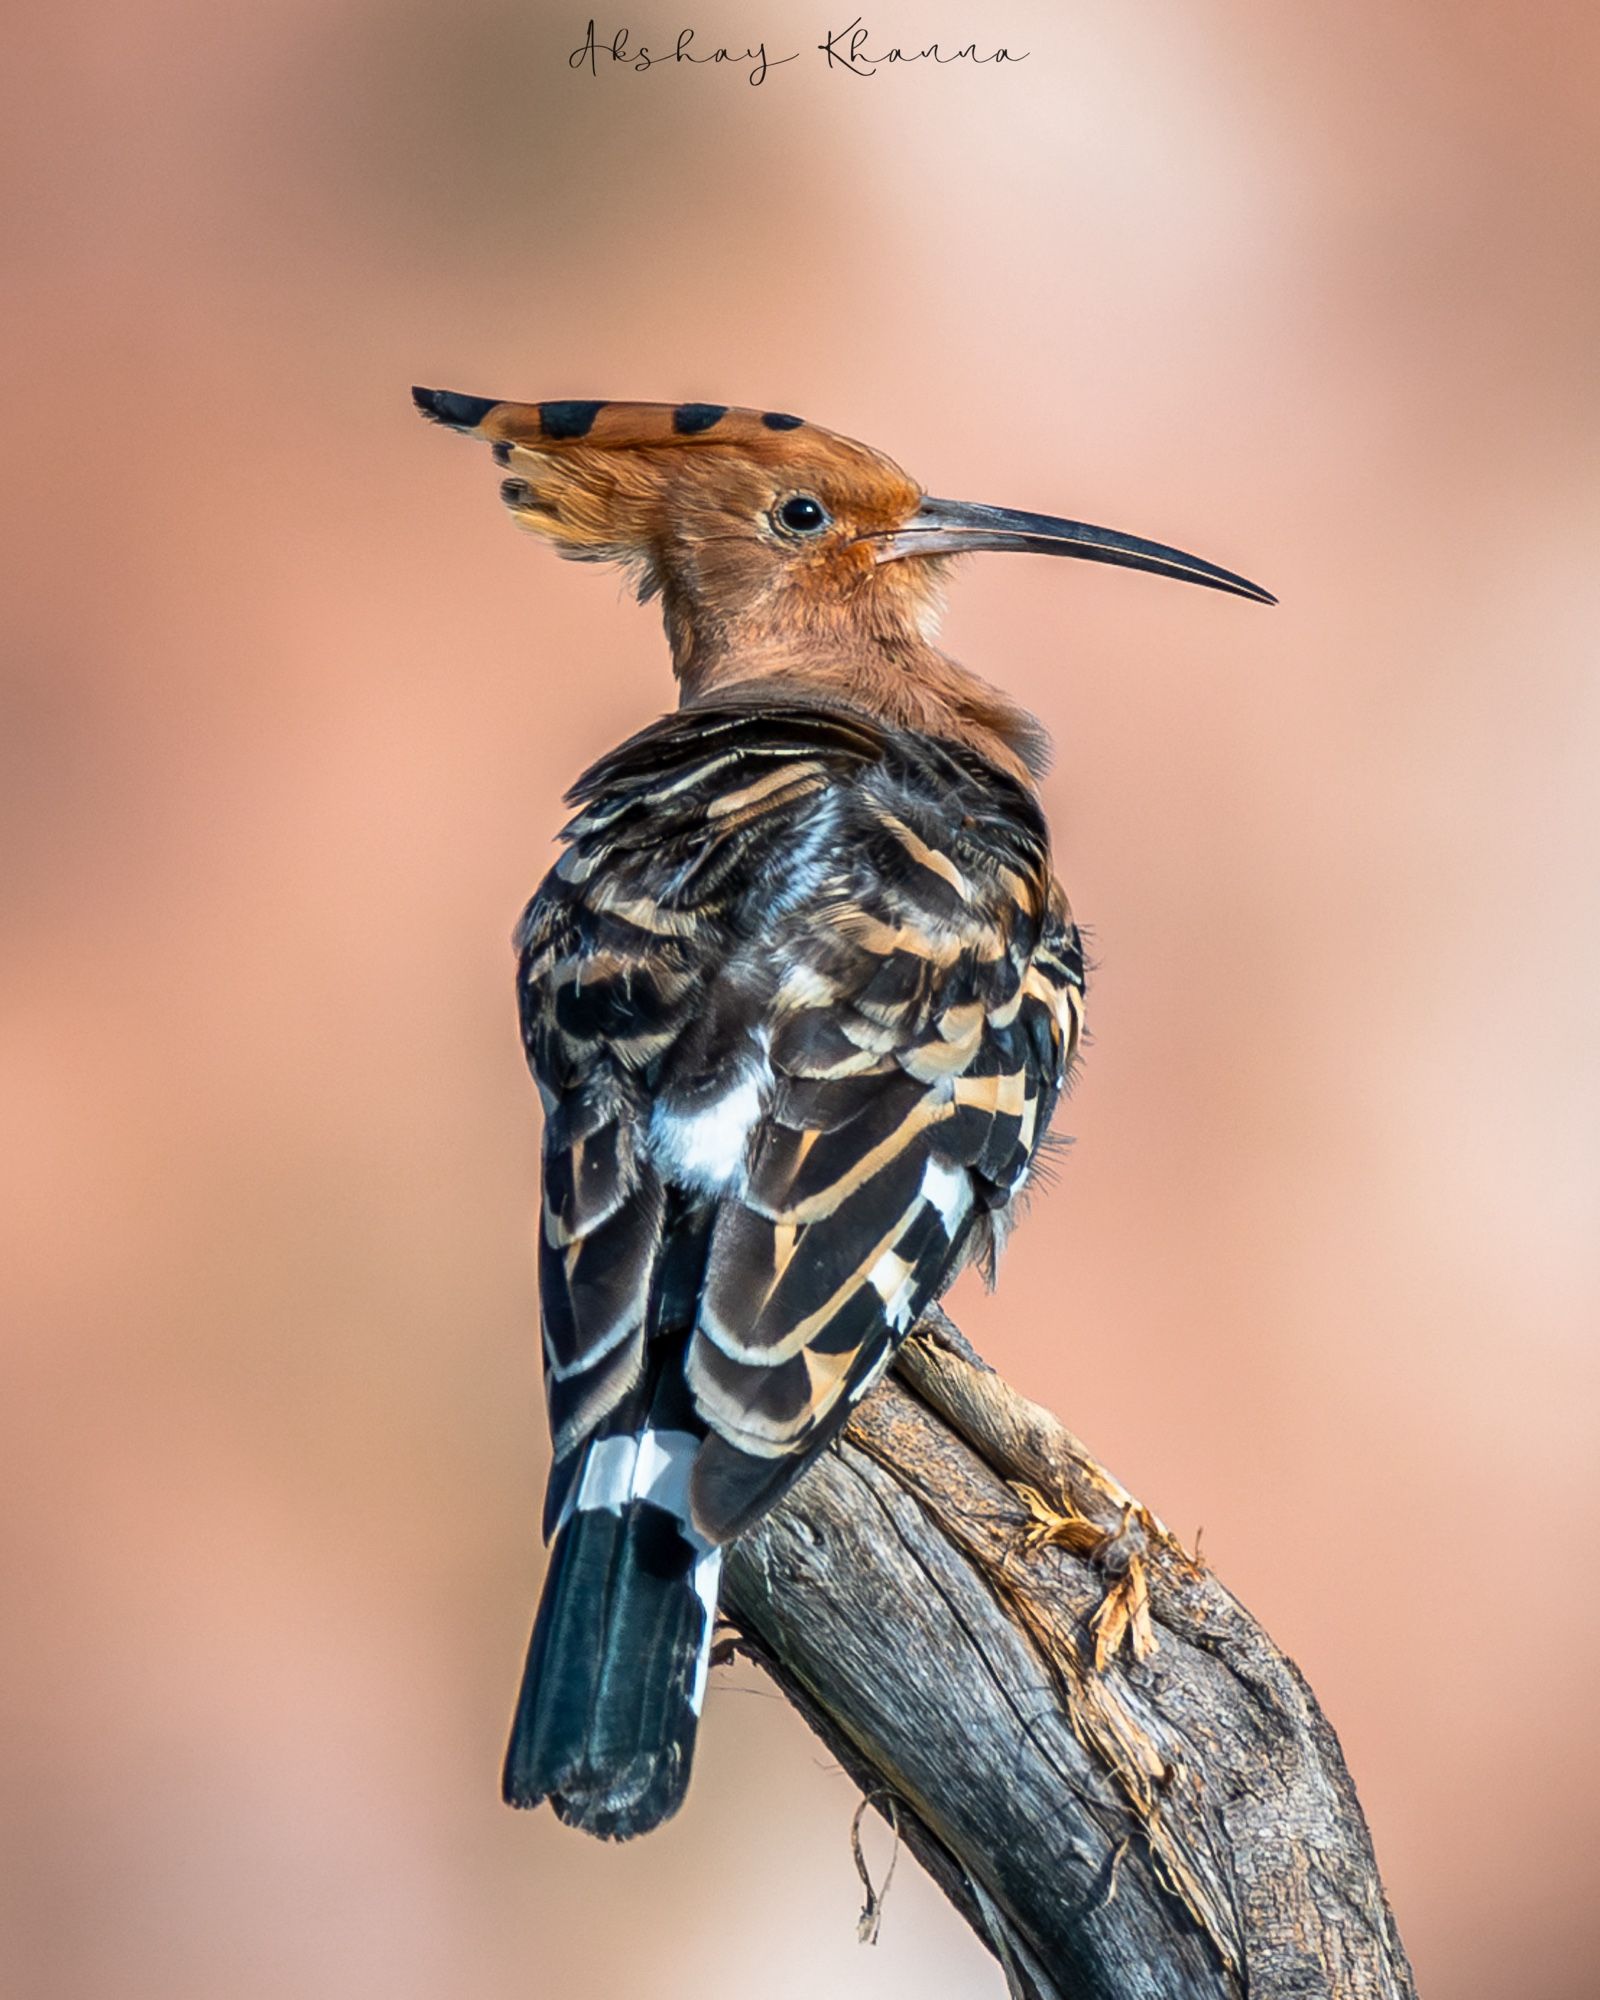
(1096, 1752)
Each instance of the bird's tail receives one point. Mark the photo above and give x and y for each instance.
(616, 1672)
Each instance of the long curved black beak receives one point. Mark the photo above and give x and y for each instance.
(960, 527)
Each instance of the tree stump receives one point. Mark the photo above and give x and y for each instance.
(1097, 1753)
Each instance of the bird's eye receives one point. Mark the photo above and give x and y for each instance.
(802, 515)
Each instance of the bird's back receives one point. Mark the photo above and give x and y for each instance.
(800, 996)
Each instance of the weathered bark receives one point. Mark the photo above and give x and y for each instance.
(1101, 1758)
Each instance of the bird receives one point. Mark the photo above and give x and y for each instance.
(800, 996)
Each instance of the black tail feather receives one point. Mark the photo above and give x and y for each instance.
(605, 1723)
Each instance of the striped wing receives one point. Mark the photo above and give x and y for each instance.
(927, 1011)
(686, 831)
(801, 996)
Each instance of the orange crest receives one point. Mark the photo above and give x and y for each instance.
(626, 480)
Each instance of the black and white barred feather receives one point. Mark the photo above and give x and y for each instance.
(800, 997)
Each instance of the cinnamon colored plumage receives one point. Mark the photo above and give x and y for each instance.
(800, 996)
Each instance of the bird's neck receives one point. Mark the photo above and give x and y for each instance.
(886, 670)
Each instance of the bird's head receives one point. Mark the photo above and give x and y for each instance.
(776, 547)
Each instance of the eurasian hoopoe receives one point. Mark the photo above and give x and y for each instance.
(800, 997)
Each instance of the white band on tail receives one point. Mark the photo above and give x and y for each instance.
(706, 1576)
(654, 1466)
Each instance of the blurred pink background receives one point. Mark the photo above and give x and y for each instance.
(288, 710)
